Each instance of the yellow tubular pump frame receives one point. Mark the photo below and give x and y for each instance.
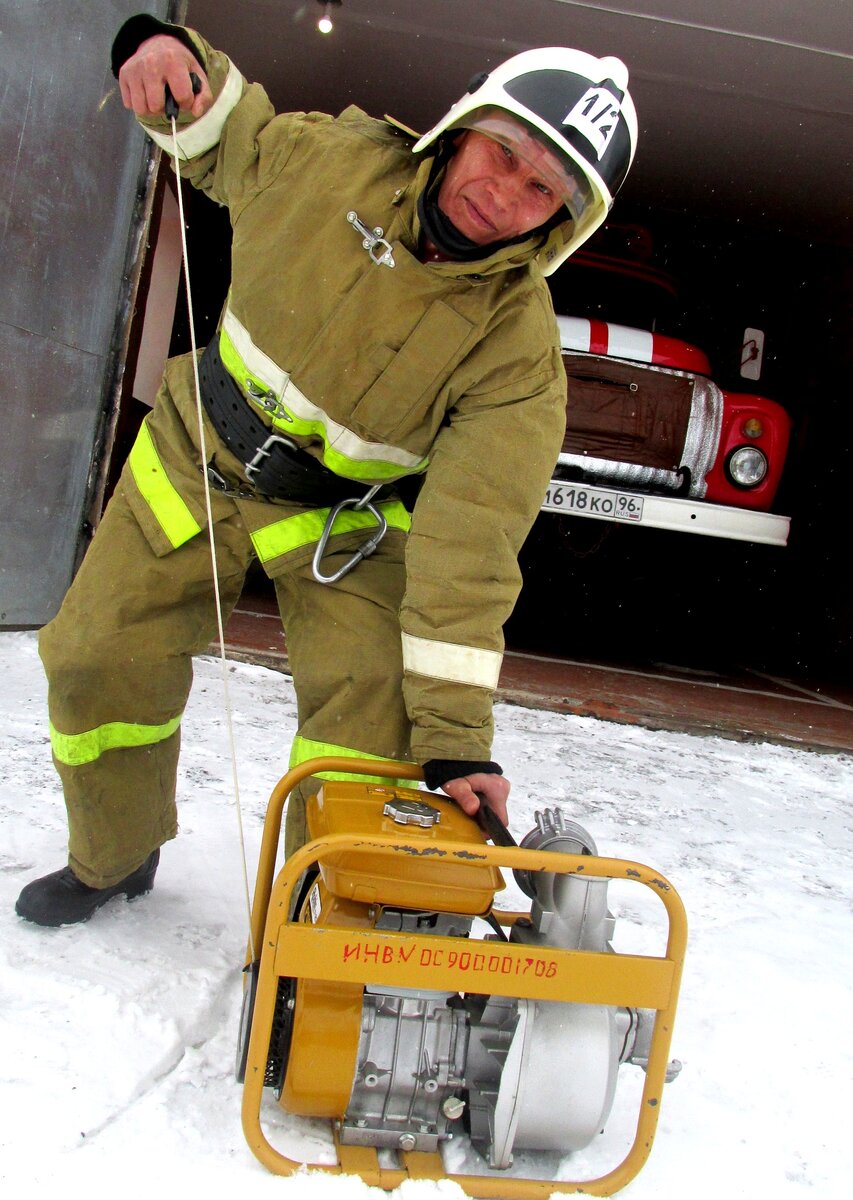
(302, 951)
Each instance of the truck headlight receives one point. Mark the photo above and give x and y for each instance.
(747, 466)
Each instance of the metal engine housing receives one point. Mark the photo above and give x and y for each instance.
(430, 1060)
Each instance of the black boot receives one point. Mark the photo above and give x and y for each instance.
(62, 899)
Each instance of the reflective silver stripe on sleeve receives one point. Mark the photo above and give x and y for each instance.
(341, 439)
(446, 660)
(204, 133)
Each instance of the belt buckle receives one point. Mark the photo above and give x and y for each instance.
(253, 467)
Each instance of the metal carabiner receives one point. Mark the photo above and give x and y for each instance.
(357, 504)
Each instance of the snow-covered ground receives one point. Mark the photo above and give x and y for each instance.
(117, 1037)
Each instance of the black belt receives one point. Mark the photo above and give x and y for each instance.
(273, 464)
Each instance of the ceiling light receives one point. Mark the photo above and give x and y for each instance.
(324, 22)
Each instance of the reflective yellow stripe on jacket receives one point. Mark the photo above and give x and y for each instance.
(344, 452)
(161, 496)
(305, 529)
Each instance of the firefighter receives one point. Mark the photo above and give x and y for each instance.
(388, 321)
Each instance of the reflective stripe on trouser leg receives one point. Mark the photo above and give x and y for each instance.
(304, 748)
(343, 643)
(118, 661)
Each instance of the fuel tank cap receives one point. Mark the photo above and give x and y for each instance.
(411, 812)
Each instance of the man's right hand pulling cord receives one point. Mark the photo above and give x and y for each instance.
(163, 61)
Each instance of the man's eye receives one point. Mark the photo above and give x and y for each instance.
(543, 189)
(506, 150)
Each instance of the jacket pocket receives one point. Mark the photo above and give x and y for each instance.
(401, 398)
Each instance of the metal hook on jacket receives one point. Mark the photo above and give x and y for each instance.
(357, 503)
(372, 239)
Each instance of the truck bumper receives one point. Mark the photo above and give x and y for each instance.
(666, 512)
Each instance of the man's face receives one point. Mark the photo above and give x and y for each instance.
(491, 194)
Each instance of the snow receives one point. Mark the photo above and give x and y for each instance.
(117, 1037)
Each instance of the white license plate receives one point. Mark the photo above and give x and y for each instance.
(593, 502)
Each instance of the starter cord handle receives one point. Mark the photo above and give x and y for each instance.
(172, 109)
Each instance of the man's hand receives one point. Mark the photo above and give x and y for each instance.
(160, 61)
(469, 790)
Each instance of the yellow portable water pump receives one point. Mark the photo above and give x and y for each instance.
(373, 1003)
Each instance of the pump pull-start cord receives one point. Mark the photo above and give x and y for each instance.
(172, 111)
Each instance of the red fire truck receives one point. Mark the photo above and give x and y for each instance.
(652, 440)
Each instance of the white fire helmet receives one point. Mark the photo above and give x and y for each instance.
(577, 107)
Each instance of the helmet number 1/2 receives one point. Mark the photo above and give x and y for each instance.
(596, 116)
